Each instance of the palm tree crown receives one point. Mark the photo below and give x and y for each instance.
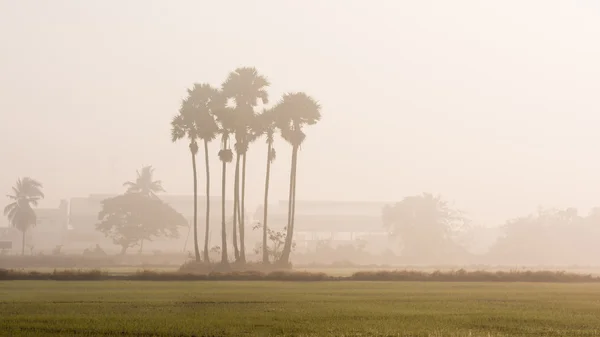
(293, 112)
(26, 193)
(145, 183)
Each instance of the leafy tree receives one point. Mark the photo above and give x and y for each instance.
(277, 242)
(293, 113)
(196, 121)
(425, 224)
(130, 218)
(145, 183)
(26, 193)
(245, 87)
(556, 236)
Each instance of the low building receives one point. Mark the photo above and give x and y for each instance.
(337, 222)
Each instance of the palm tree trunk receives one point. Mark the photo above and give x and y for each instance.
(206, 233)
(243, 212)
(287, 247)
(23, 245)
(141, 246)
(196, 251)
(223, 227)
(266, 205)
(236, 202)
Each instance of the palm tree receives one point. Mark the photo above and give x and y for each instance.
(145, 183)
(225, 118)
(245, 87)
(267, 124)
(26, 192)
(292, 113)
(195, 121)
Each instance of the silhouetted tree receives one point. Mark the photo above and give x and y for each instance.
(26, 193)
(130, 218)
(196, 121)
(145, 183)
(293, 112)
(225, 118)
(556, 236)
(425, 224)
(244, 87)
(266, 122)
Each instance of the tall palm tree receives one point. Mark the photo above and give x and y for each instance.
(225, 117)
(145, 183)
(267, 125)
(26, 193)
(196, 121)
(245, 87)
(292, 113)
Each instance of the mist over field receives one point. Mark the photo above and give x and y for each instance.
(300, 168)
(489, 106)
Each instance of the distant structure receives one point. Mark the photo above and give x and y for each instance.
(72, 225)
(337, 222)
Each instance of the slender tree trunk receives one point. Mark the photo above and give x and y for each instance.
(196, 250)
(141, 246)
(23, 245)
(236, 202)
(243, 212)
(287, 247)
(294, 193)
(266, 206)
(206, 231)
(224, 259)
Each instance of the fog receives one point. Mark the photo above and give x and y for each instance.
(492, 105)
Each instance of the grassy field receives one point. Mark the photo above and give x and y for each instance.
(126, 308)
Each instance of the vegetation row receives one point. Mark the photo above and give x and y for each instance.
(395, 275)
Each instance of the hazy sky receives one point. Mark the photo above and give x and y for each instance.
(493, 104)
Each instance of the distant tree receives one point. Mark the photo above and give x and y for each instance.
(145, 183)
(426, 225)
(26, 193)
(245, 87)
(549, 236)
(196, 121)
(130, 218)
(292, 114)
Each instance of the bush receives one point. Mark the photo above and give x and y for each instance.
(462, 275)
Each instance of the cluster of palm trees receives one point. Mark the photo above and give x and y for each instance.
(229, 113)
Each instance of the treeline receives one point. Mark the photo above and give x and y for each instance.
(394, 275)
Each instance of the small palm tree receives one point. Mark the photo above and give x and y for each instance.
(145, 183)
(245, 87)
(26, 193)
(292, 113)
(196, 121)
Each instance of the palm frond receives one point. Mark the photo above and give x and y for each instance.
(8, 208)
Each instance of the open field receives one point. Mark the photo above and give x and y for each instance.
(128, 308)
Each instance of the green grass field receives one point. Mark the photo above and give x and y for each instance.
(126, 308)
